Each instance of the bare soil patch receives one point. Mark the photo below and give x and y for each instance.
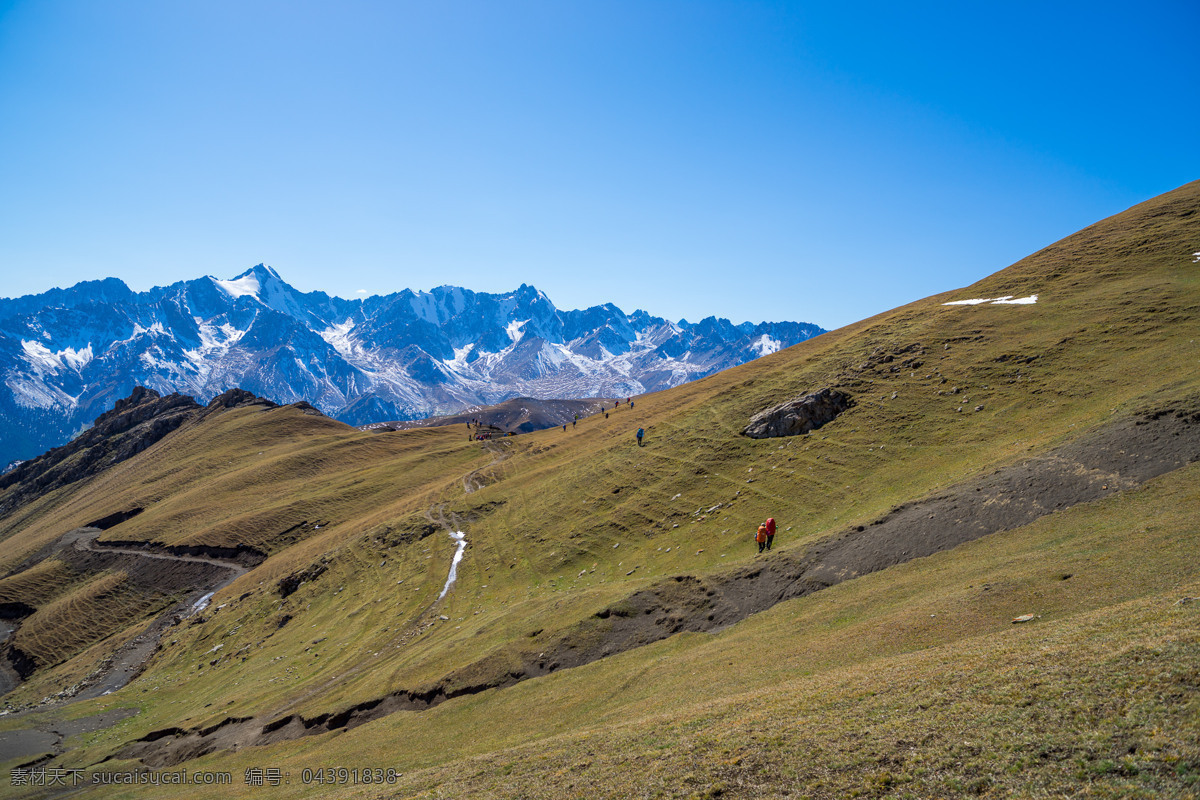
(47, 739)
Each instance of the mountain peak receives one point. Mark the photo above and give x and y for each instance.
(256, 282)
(262, 272)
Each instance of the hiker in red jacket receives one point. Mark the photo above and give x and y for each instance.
(761, 537)
(770, 526)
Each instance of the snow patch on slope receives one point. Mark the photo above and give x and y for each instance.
(240, 287)
(765, 345)
(1007, 300)
(459, 361)
(338, 337)
(29, 392)
(44, 360)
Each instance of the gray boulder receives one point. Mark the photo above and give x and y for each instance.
(798, 415)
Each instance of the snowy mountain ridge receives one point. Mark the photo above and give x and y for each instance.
(66, 355)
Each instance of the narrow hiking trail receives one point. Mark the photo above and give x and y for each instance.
(475, 479)
(86, 539)
(127, 661)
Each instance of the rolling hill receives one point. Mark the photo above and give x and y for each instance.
(611, 630)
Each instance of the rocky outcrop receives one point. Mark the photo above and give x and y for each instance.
(232, 398)
(291, 583)
(20, 661)
(799, 415)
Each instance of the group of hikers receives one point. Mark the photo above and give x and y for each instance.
(765, 535)
(604, 409)
(477, 436)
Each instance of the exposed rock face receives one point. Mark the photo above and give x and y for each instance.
(232, 398)
(799, 415)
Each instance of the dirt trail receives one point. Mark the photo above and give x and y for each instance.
(1118, 456)
(161, 571)
(475, 479)
(85, 539)
(127, 662)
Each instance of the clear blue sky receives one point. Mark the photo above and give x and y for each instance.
(754, 160)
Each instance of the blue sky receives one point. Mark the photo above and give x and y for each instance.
(819, 162)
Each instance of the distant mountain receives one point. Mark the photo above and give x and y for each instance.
(67, 355)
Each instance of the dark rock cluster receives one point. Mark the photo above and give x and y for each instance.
(798, 415)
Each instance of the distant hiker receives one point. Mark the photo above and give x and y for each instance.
(770, 525)
(640, 434)
(564, 427)
(761, 537)
(631, 404)
(606, 415)
(574, 422)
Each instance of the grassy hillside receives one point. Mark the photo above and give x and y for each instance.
(911, 680)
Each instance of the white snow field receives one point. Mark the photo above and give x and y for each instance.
(1007, 300)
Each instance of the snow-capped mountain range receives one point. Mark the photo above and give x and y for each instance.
(66, 355)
